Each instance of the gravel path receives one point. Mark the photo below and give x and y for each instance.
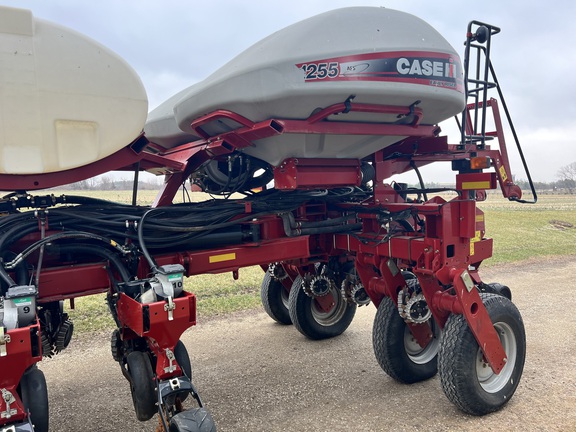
(255, 375)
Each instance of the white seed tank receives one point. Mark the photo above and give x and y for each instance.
(381, 56)
(65, 100)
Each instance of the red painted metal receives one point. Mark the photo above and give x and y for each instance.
(122, 158)
(234, 257)
(152, 322)
(478, 319)
(22, 351)
(59, 283)
(317, 173)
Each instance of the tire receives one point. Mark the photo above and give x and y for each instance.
(396, 351)
(183, 359)
(310, 320)
(193, 420)
(34, 395)
(466, 379)
(275, 299)
(502, 290)
(142, 385)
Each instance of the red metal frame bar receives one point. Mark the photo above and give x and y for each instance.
(299, 173)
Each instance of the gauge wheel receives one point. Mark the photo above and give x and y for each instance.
(34, 395)
(396, 350)
(142, 385)
(466, 378)
(312, 320)
(274, 298)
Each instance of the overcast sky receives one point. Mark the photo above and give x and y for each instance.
(173, 44)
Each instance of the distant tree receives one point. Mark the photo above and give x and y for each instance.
(567, 176)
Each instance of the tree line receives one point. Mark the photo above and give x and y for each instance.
(565, 183)
(107, 182)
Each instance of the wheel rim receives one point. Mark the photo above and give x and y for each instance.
(334, 315)
(418, 354)
(490, 381)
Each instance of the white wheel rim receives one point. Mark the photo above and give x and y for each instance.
(415, 352)
(334, 315)
(491, 382)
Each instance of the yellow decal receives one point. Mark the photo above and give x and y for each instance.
(476, 185)
(503, 174)
(474, 240)
(479, 218)
(224, 257)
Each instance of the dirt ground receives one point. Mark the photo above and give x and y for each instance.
(255, 375)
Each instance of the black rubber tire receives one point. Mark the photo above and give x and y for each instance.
(313, 323)
(397, 353)
(183, 359)
(193, 420)
(466, 380)
(274, 299)
(34, 395)
(142, 385)
(503, 290)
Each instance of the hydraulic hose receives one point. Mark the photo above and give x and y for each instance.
(102, 253)
(293, 228)
(63, 235)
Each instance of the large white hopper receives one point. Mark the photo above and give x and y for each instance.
(381, 56)
(65, 100)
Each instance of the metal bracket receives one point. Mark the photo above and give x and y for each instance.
(175, 384)
(392, 267)
(172, 358)
(4, 339)
(467, 279)
(9, 399)
(169, 307)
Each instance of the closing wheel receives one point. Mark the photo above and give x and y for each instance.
(34, 395)
(142, 385)
(396, 350)
(193, 420)
(275, 299)
(312, 320)
(183, 359)
(466, 377)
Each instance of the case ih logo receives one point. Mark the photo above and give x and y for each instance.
(425, 68)
(415, 67)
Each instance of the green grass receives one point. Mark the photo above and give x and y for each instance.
(216, 295)
(520, 231)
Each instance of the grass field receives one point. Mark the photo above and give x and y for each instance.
(520, 231)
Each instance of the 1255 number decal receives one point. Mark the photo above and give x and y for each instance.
(315, 71)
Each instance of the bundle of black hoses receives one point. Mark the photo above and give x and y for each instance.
(102, 228)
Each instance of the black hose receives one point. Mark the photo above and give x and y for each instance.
(143, 249)
(103, 253)
(292, 229)
(62, 235)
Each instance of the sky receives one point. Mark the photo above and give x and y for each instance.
(173, 44)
